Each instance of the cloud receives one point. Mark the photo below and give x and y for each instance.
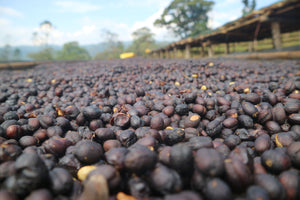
(11, 34)
(224, 12)
(160, 33)
(140, 3)
(76, 6)
(4, 22)
(10, 12)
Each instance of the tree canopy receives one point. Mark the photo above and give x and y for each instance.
(44, 54)
(248, 7)
(113, 47)
(143, 39)
(186, 18)
(72, 51)
(41, 36)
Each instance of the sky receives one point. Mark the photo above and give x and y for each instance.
(85, 20)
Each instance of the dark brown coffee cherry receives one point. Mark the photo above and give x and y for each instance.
(104, 134)
(164, 180)
(238, 174)
(214, 128)
(110, 173)
(293, 151)
(157, 123)
(291, 183)
(71, 163)
(14, 131)
(45, 121)
(173, 136)
(127, 138)
(56, 146)
(192, 121)
(121, 120)
(139, 159)
(275, 161)
(182, 109)
(40, 194)
(88, 152)
(256, 192)
(262, 143)
(245, 121)
(217, 189)
(91, 112)
(6, 195)
(109, 144)
(181, 158)
(209, 161)
(250, 109)
(191, 195)
(116, 157)
(61, 181)
(199, 142)
(271, 184)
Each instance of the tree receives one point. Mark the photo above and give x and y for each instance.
(186, 18)
(113, 47)
(41, 36)
(6, 53)
(248, 7)
(44, 54)
(72, 51)
(17, 54)
(143, 39)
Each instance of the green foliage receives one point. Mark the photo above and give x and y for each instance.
(248, 7)
(44, 54)
(17, 54)
(8, 54)
(113, 47)
(143, 39)
(5, 54)
(111, 52)
(72, 51)
(186, 18)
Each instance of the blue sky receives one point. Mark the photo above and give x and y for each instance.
(85, 20)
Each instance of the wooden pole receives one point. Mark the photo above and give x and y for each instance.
(250, 49)
(202, 52)
(210, 49)
(174, 52)
(275, 26)
(187, 51)
(167, 53)
(227, 48)
(161, 55)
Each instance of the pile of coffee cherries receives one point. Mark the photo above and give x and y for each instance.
(151, 129)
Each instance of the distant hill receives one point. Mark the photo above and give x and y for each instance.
(93, 49)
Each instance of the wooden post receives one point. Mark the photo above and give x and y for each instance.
(202, 53)
(210, 49)
(275, 26)
(227, 48)
(250, 49)
(167, 54)
(234, 47)
(161, 55)
(187, 51)
(254, 44)
(174, 52)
